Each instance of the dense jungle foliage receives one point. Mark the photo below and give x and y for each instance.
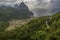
(43, 28)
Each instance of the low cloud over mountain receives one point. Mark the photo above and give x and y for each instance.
(37, 6)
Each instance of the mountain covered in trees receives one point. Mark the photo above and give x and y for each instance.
(42, 28)
(39, 28)
(17, 12)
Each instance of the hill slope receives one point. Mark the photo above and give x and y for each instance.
(43, 28)
(9, 13)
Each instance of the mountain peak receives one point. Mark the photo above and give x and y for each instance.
(22, 6)
(22, 2)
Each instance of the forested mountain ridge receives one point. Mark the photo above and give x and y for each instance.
(42, 28)
(20, 12)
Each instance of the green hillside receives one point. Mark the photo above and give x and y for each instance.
(20, 11)
(43, 28)
(11, 13)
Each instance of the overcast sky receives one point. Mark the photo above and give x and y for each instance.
(38, 7)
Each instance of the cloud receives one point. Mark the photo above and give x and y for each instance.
(55, 6)
(30, 3)
(7, 2)
(38, 7)
(38, 3)
(45, 7)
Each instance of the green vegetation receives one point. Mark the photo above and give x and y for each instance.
(18, 12)
(36, 29)
(3, 25)
(7, 14)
